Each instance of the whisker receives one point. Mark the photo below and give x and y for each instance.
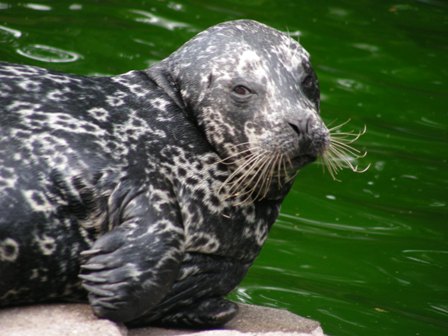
(285, 168)
(340, 153)
(249, 162)
(245, 144)
(238, 170)
(249, 150)
(272, 168)
(253, 170)
(345, 135)
(245, 180)
(247, 193)
(260, 172)
(345, 148)
(267, 177)
(279, 163)
(331, 167)
(255, 186)
(339, 125)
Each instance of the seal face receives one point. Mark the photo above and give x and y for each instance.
(152, 192)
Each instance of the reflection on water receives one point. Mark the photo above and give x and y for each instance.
(367, 255)
(14, 32)
(152, 19)
(37, 7)
(48, 54)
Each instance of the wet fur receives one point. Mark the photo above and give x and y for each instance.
(129, 189)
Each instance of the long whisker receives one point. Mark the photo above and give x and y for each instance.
(254, 170)
(259, 170)
(285, 168)
(248, 192)
(247, 177)
(346, 135)
(338, 126)
(259, 174)
(346, 149)
(340, 153)
(249, 162)
(271, 173)
(226, 160)
(279, 167)
(331, 167)
(266, 177)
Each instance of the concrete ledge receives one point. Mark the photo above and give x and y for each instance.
(56, 320)
(77, 319)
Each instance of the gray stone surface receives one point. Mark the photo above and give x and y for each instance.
(77, 319)
(250, 321)
(56, 320)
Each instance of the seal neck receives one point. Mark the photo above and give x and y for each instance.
(163, 79)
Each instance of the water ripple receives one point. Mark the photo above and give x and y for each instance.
(388, 227)
(351, 85)
(367, 47)
(14, 32)
(427, 257)
(38, 7)
(152, 19)
(44, 53)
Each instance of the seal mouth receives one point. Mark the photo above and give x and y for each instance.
(302, 160)
(256, 172)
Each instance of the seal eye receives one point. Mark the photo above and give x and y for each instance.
(310, 87)
(241, 90)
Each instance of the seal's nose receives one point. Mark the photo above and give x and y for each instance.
(309, 140)
(301, 127)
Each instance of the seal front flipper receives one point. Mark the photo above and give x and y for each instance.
(196, 299)
(130, 269)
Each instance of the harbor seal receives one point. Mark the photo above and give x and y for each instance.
(151, 193)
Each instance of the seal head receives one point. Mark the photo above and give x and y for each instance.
(253, 93)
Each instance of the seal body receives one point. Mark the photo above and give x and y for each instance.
(151, 193)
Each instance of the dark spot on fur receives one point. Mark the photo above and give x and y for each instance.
(192, 180)
(38, 199)
(89, 128)
(9, 250)
(214, 200)
(181, 171)
(199, 194)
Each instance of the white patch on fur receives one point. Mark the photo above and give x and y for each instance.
(9, 250)
(159, 103)
(37, 200)
(99, 113)
(46, 244)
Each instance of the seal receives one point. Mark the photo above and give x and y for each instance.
(151, 193)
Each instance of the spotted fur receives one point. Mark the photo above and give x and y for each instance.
(115, 187)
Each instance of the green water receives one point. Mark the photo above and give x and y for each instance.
(365, 256)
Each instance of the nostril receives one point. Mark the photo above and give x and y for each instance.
(295, 128)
